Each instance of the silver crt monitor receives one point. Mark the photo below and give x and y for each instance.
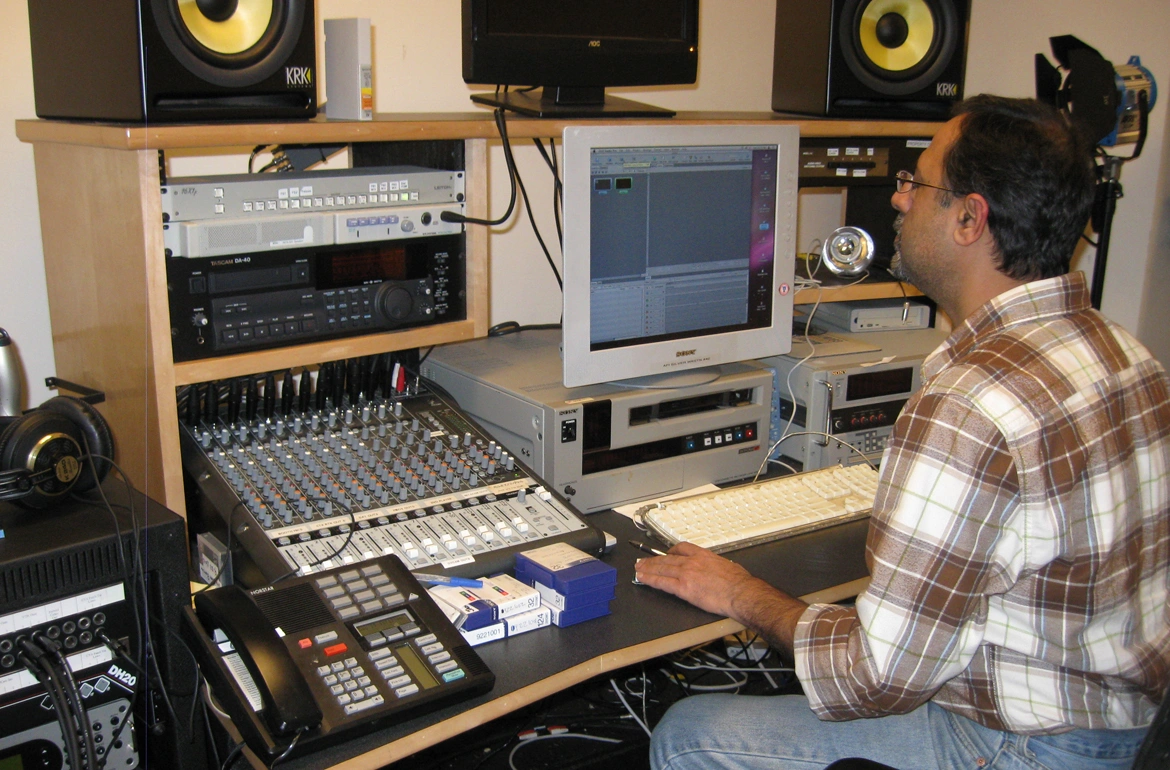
(678, 250)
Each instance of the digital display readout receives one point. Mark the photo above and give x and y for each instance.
(383, 623)
(890, 382)
(384, 262)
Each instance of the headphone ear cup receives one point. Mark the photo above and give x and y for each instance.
(96, 432)
(7, 428)
(48, 442)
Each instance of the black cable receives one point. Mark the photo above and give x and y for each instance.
(232, 756)
(511, 327)
(206, 728)
(228, 546)
(536, 231)
(558, 188)
(451, 216)
(292, 745)
(336, 552)
(72, 694)
(31, 657)
(139, 598)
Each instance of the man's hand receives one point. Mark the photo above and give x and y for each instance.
(696, 575)
(722, 587)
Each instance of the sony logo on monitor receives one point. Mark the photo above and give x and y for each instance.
(685, 353)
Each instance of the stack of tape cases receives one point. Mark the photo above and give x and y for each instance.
(502, 606)
(573, 585)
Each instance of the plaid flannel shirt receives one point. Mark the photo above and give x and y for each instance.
(1020, 540)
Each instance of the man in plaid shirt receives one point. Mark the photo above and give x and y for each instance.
(1019, 545)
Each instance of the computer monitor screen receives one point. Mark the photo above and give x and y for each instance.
(678, 249)
(575, 50)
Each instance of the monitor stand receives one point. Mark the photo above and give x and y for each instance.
(671, 380)
(534, 105)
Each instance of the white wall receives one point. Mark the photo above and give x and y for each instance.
(417, 68)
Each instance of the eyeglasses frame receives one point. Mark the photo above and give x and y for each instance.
(907, 178)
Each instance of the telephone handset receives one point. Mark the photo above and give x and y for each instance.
(319, 658)
(288, 704)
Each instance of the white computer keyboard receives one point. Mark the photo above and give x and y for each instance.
(736, 517)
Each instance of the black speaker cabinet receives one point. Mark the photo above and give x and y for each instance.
(173, 60)
(892, 59)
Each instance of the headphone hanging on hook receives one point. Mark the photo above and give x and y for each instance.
(62, 446)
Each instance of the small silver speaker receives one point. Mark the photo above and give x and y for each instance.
(848, 251)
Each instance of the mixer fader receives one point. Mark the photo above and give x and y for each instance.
(359, 465)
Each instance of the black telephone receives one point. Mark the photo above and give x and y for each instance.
(322, 657)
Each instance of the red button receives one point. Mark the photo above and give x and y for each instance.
(305, 643)
(336, 649)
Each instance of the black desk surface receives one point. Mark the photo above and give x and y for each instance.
(639, 615)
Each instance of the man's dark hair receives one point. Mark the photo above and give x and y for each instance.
(1037, 175)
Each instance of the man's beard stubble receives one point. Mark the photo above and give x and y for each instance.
(897, 269)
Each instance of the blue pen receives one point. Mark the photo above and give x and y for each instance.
(444, 580)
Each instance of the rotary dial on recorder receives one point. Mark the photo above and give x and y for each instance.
(399, 303)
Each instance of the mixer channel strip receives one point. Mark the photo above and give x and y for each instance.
(409, 476)
(738, 517)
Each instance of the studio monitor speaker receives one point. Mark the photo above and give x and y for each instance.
(173, 60)
(893, 59)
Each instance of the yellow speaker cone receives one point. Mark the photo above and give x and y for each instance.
(239, 32)
(896, 34)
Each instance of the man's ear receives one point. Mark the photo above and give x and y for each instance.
(972, 219)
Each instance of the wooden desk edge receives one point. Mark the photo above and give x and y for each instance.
(472, 718)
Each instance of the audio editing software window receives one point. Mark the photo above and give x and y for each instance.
(671, 238)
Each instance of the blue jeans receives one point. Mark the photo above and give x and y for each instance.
(754, 732)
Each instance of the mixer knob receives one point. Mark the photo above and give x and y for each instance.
(381, 411)
(366, 413)
(466, 439)
(426, 436)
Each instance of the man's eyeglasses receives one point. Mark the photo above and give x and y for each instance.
(904, 183)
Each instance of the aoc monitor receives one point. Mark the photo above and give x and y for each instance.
(575, 51)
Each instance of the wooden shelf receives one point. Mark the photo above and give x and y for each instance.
(859, 291)
(101, 225)
(394, 127)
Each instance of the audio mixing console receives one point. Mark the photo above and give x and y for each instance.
(331, 476)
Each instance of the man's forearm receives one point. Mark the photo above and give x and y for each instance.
(769, 612)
